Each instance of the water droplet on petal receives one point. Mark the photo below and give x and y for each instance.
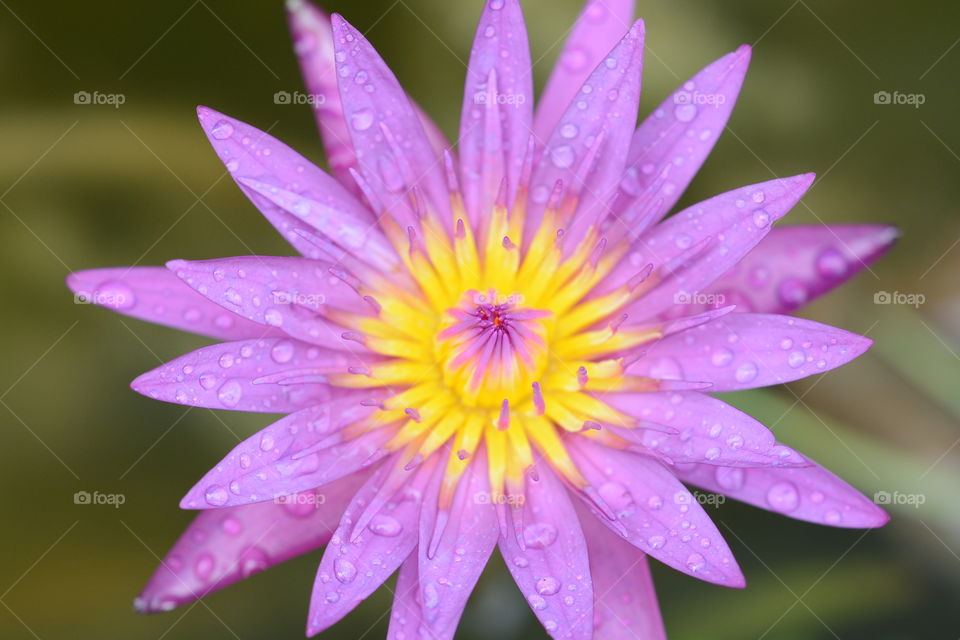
(539, 535)
(361, 120)
(563, 157)
(345, 570)
(746, 372)
(548, 586)
(216, 495)
(222, 130)
(230, 393)
(783, 497)
(386, 526)
(685, 112)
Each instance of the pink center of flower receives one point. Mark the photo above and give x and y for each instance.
(493, 348)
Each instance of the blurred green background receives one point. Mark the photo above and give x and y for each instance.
(85, 186)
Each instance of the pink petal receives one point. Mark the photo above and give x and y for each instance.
(354, 567)
(156, 295)
(588, 148)
(810, 493)
(226, 545)
(313, 44)
(302, 451)
(599, 27)
(449, 565)
(291, 294)
(625, 602)
(670, 146)
(657, 513)
(275, 375)
(251, 154)
(406, 614)
(699, 244)
(497, 108)
(698, 429)
(544, 549)
(793, 265)
(393, 152)
(748, 350)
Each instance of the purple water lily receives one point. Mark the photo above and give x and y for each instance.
(501, 342)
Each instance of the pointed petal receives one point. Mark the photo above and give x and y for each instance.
(450, 566)
(796, 264)
(275, 375)
(597, 30)
(223, 546)
(395, 159)
(156, 295)
(291, 294)
(676, 138)
(659, 515)
(313, 44)
(302, 451)
(809, 493)
(625, 600)
(587, 150)
(718, 233)
(546, 553)
(406, 614)
(249, 153)
(749, 350)
(703, 429)
(352, 569)
(495, 120)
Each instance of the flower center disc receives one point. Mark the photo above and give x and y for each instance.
(492, 348)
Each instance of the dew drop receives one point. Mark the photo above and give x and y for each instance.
(685, 112)
(548, 586)
(783, 497)
(222, 130)
(361, 120)
(345, 570)
(386, 526)
(539, 535)
(216, 495)
(746, 372)
(563, 157)
(230, 393)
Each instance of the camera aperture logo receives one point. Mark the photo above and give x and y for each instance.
(96, 498)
